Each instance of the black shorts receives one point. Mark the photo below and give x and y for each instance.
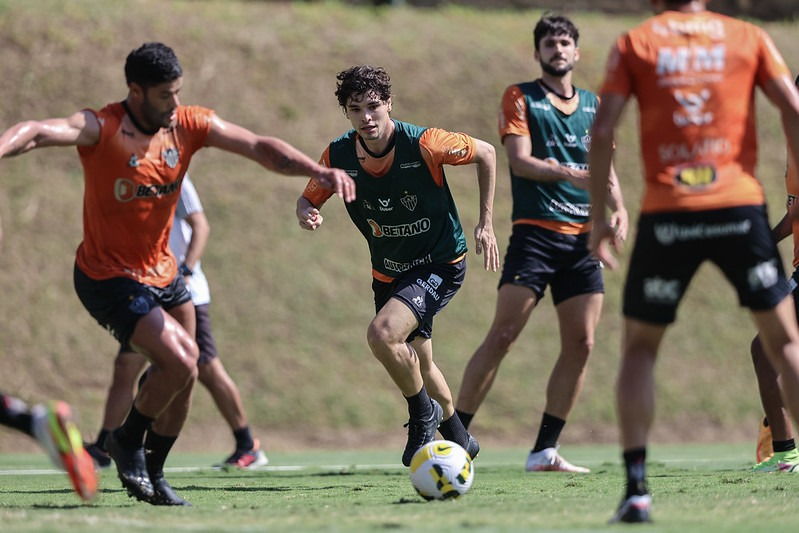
(425, 289)
(669, 247)
(117, 304)
(538, 257)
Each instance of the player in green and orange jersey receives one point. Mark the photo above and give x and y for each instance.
(694, 74)
(418, 249)
(134, 155)
(544, 126)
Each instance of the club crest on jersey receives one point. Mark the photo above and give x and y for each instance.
(171, 157)
(586, 140)
(409, 201)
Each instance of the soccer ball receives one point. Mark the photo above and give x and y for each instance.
(441, 470)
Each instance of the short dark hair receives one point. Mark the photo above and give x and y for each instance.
(152, 64)
(363, 79)
(554, 25)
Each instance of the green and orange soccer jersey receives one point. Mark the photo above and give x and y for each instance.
(559, 133)
(404, 208)
(131, 187)
(694, 75)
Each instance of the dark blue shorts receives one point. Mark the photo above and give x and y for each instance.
(117, 304)
(425, 289)
(538, 257)
(669, 247)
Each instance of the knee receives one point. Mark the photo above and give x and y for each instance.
(183, 365)
(500, 340)
(584, 346)
(377, 336)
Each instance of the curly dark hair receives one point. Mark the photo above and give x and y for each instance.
(362, 80)
(152, 64)
(554, 25)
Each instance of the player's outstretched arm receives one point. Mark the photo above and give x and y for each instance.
(485, 240)
(81, 129)
(277, 155)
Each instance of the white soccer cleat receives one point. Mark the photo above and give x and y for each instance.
(549, 460)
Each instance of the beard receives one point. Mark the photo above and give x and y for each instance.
(155, 118)
(554, 71)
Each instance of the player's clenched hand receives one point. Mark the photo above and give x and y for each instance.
(486, 244)
(579, 178)
(309, 217)
(602, 235)
(339, 181)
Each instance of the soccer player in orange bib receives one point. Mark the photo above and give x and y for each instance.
(134, 155)
(694, 75)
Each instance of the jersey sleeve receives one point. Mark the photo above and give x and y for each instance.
(448, 148)
(189, 201)
(513, 114)
(314, 191)
(197, 123)
(440, 147)
(618, 78)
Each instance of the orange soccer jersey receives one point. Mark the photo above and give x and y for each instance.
(694, 75)
(131, 187)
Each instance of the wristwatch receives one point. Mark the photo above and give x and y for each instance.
(185, 270)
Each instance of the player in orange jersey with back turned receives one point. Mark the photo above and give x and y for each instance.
(694, 75)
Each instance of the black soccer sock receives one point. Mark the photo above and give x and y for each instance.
(156, 449)
(100, 442)
(635, 464)
(783, 445)
(244, 439)
(452, 429)
(16, 414)
(549, 433)
(419, 406)
(131, 433)
(466, 418)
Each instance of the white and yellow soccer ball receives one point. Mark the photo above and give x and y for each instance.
(441, 470)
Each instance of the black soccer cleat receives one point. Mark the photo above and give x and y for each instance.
(131, 468)
(634, 509)
(101, 458)
(472, 448)
(164, 494)
(420, 432)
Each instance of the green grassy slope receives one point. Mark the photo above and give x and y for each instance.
(290, 308)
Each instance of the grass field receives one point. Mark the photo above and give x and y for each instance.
(290, 308)
(695, 488)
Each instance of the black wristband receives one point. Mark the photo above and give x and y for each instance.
(185, 270)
